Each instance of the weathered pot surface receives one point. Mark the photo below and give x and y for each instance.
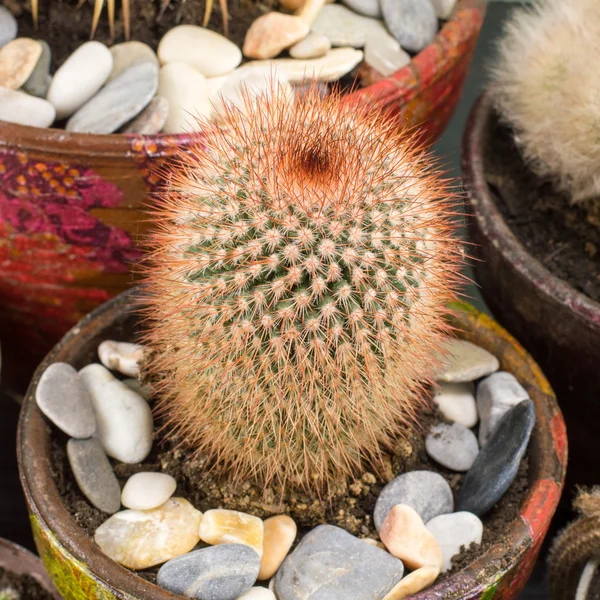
(81, 571)
(559, 325)
(71, 204)
(18, 560)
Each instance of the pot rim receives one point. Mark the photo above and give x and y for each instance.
(493, 225)
(118, 144)
(524, 534)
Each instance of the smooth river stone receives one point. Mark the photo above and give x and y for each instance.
(496, 395)
(369, 8)
(221, 526)
(384, 54)
(151, 120)
(62, 396)
(426, 492)
(121, 356)
(128, 54)
(331, 564)
(8, 26)
(453, 531)
(314, 45)
(117, 103)
(94, 474)
(452, 446)
(217, 573)
(140, 539)
(39, 80)
(456, 402)
(279, 535)
(464, 361)
(584, 587)
(123, 417)
(412, 22)
(344, 27)
(443, 8)
(258, 593)
(414, 582)
(145, 491)
(17, 62)
(19, 107)
(187, 94)
(79, 78)
(206, 51)
(498, 461)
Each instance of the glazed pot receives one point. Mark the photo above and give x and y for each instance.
(80, 570)
(71, 205)
(559, 325)
(17, 560)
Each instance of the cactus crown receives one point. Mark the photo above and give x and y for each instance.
(302, 260)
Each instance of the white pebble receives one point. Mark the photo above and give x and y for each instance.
(144, 491)
(384, 54)
(464, 361)
(453, 446)
(121, 356)
(456, 402)
(257, 593)
(313, 45)
(23, 109)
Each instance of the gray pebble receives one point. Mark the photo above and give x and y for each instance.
(118, 101)
(62, 396)
(453, 446)
(426, 492)
(331, 564)
(498, 461)
(412, 22)
(222, 572)
(8, 26)
(39, 81)
(94, 474)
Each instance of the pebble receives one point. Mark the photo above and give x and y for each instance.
(206, 51)
(456, 402)
(258, 593)
(453, 531)
(115, 104)
(220, 526)
(143, 389)
(344, 27)
(496, 395)
(584, 587)
(145, 491)
(329, 563)
(39, 80)
(412, 22)
(335, 64)
(17, 62)
(498, 461)
(313, 45)
(369, 8)
(406, 537)
(79, 78)
(94, 474)
(186, 92)
(216, 573)
(273, 32)
(128, 54)
(384, 54)
(279, 535)
(453, 446)
(426, 492)
(139, 539)
(8, 26)
(62, 396)
(123, 417)
(151, 120)
(414, 582)
(443, 8)
(23, 109)
(214, 84)
(464, 361)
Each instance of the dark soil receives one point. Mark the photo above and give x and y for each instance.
(26, 586)
(564, 238)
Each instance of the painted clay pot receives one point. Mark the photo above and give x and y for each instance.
(80, 571)
(559, 325)
(17, 560)
(71, 205)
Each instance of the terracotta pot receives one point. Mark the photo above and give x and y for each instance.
(80, 570)
(557, 324)
(17, 560)
(71, 205)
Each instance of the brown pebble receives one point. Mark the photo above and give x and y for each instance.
(17, 61)
(279, 535)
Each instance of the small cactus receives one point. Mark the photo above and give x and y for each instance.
(546, 85)
(302, 262)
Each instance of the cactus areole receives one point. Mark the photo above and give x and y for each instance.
(302, 262)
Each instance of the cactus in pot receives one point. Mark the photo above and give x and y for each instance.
(301, 265)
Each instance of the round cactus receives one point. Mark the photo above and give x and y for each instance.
(302, 262)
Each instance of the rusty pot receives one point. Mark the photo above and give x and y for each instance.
(557, 324)
(81, 571)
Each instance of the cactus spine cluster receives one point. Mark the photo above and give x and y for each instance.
(302, 260)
